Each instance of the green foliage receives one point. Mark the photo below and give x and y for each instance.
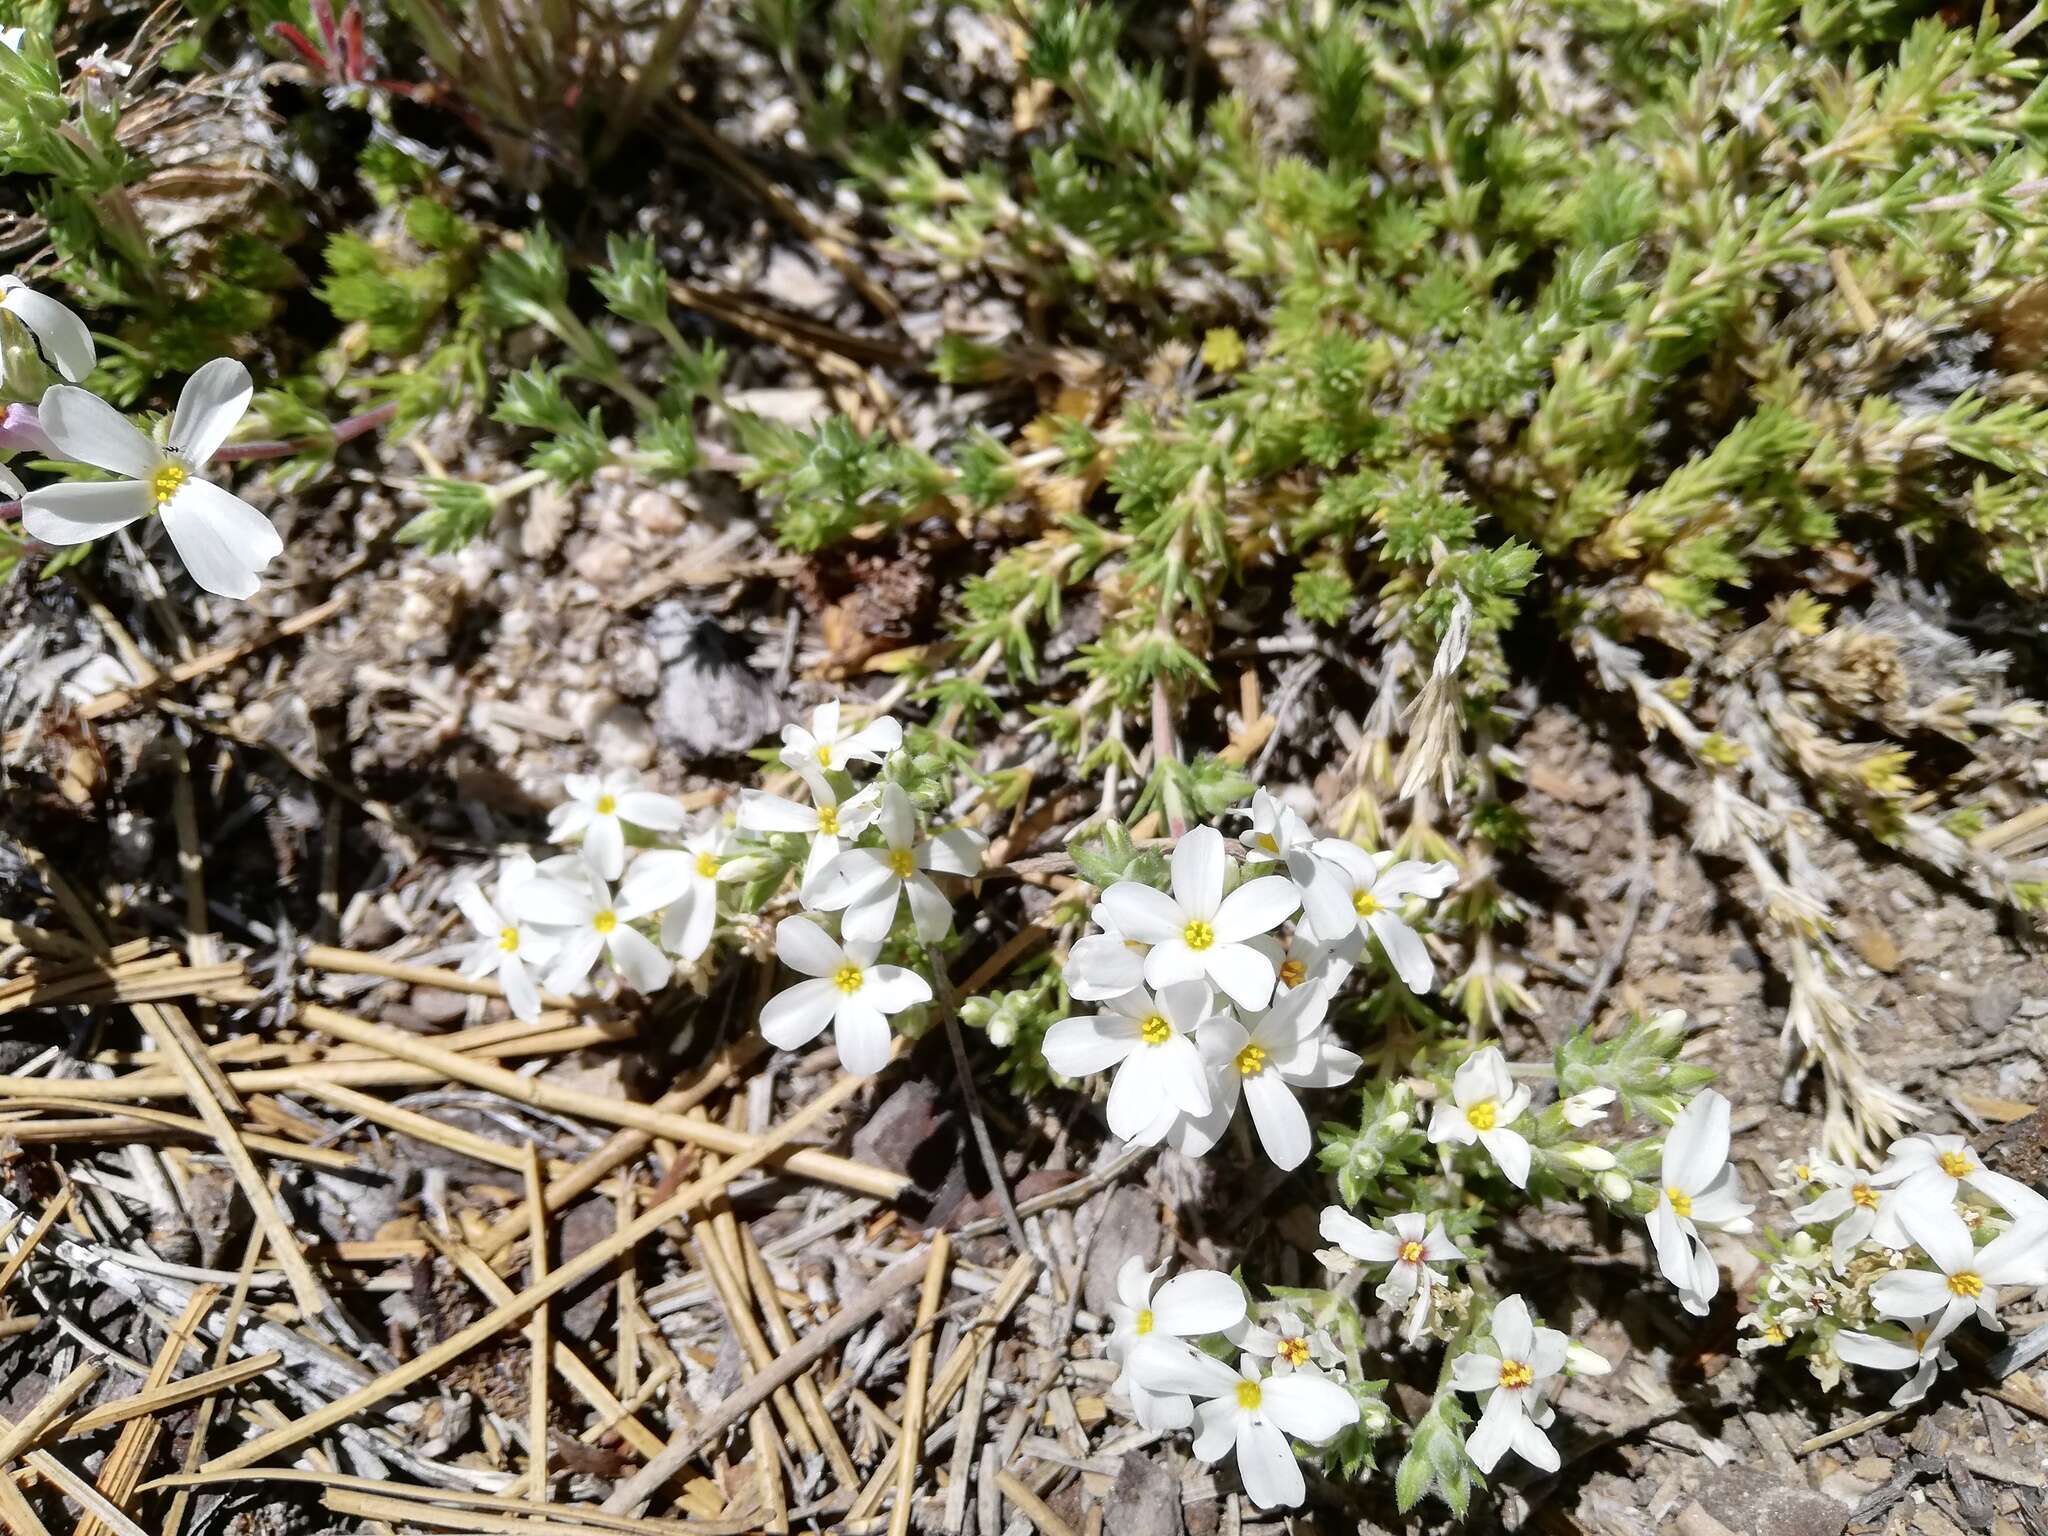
(456, 513)
(1436, 1462)
(1639, 1062)
(827, 483)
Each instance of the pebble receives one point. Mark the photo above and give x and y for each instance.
(438, 1005)
(623, 737)
(657, 513)
(549, 515)
(604, 560)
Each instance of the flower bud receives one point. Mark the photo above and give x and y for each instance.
(1587, 1157)
(1581, 1361)
(1616, 1188)
(1582, 1109)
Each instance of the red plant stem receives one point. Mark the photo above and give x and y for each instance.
(345, 431)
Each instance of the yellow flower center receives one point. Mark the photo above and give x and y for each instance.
(1142, 1324)
(1864, 1196)
(825, 754)
(1267, 841)
(1966, 1285)
(1294, 1351)
(605, 921)
(902, 863)
(1957, 1164)
(849, 979)
(1411, 1252)
(166, 483)
(1249, 1396)
(1251, 1061)
(1155, 1030)
(1774, 1334)
(1681, 1202)
(1481, 1116)
(508, 939)
(707, 866)
(828, 820)
(1198, 935)
(1515, 1373)
(1803, 1172)
(1293, 973)
(606, 805)
(1364, 903)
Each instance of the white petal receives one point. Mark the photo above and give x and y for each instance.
(1362, 1242)
(223, 540)
(11, 486)
(1410, 877)
(1168, 1365)
(1181, 1076)
(1265, 1462)
(1082, 1047)
(1475, 1372)
(798, 1016)
(1495, 1435)
(763, 812)
(77, 513)
(1482, 1075)
(1256, 907)
(898, 820)
(604, 845)
(1534, 1447)
(1327, 901)
(1174, 963)
(554, 903)
(1697, 1145)
(1875, 1352)
(1141, 913)
(687, 925)
(930, 912)
(1198, 861)
(1282, 1125)
(573, 964)
(873, 741)
(1511, 1328)
(1136, 1095)
(1511, 1151)
(520, 993)
(1198, 1302)
(1187, 1004)
(1308, 1405)
(1216, 1428)
(869, 919)
(892, 988)
(955, 851)
(1406, 952)
(855, 876)
(1672, 1242)
(863, 1037)
(1940, 1231)
(805, 946)
(644, 808)
(63, 335)
(658, 877)
(212, 404)
(645, 968)
(87, 430)
(1101, 967)
(1244, 975)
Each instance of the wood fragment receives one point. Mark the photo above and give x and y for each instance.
(1032, 1507)
(910, 1445)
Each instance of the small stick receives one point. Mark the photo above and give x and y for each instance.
(1032, 1507)
(350, 962)
(808, 1397)
(538, 1335)
(144, 1406)
(27, 1435)
(435, 1133)
(949, 1009)
(174, 1517)
(55, 1209)
(910, 1444)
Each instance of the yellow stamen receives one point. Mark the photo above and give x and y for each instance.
(1155, 1030)
(1267, 841)
(1293, 973)
(1774, 1334)
(849, 979)
(606, 805)
(508, 939)
(1681, 1202)
(1143, 1323)
(1966, 1285)
(1957, 1164)
(166, 483)
(1411, 1253)
(1364, 903)
(1198, 935)
(605, 921)
(1864, 1196)
(1803, 1172)
(707, 866)
(1251, 1061)
(1294, 1351)
(828, 820)
(1483, 1115)
(902, 863)
(1514, 1373)
(825, 754)
(1249, 1396)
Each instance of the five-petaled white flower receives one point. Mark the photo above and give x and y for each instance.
(1254, 1415)
(1936, 1169)
(61, 334)
(1699, 1189)
(846, 990)
(1266, 1059)
(1525, 1358)
(1150, 1041)
(223, 540)
(584, 920)
(826, 745)
(1917, 1352)
(1852, 1200)
(1965, 1278)
(1104, 965)
(506, 943)
(601, 807)
(1485, 1101)
(825, 820)
(867, 882)
(1276, 831)
(1153, 1324)
(1304, 960)
(1286, 1342)
(1353, 893)
(1408, 1246)
(1198, 933)
(682, 885)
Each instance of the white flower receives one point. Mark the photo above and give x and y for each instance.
(223, 540)
(62, 335)
(1964, 1279)
(1354, 893)
(825, 820)
(1276, 831)
(1198, 933)
(506, 943)
(11, 38)
(1304, 960)
(847, 990)
(1286, 1343)
(825, 745)
(1919, 1353)
(1153, 1327)
(682, 885)
(1265, 1059)
(584, 920)
(1525, 1358)
(1150, 1041)
(1939, 1168)
(1254, 1415)
(9, 486)
(601, 807)
(1408, 1247)
(1582, 1109)
(867, 882)
(1859, 1208)
(1485, 1101)
(102, 74)
(1104, 965)
(1699, 1189)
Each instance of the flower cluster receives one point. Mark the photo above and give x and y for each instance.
(222, 540)
(640, 890)
(1217, 980)
(1887, 1263)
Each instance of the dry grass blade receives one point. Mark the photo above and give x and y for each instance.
(910, 1444)
(28, 1434)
